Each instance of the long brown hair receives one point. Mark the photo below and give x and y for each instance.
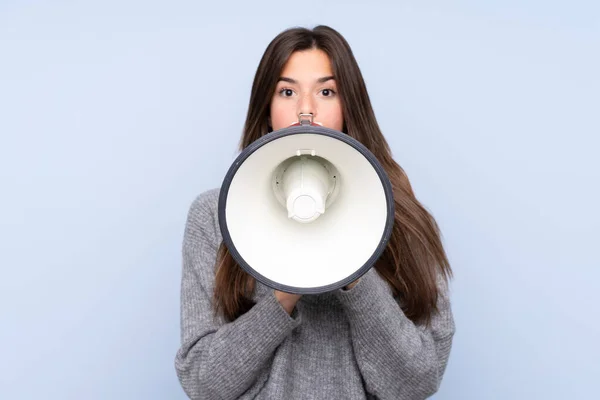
(414, 256)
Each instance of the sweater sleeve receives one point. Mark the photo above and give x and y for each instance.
(397, 358)
(219, 360)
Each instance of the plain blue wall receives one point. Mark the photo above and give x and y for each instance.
(115, 115)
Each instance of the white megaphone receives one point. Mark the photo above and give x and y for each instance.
(306, 209)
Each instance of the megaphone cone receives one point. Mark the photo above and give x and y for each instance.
(306, 209)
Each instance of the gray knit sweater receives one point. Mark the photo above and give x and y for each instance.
(345, 344)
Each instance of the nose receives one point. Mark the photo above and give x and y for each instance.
(307, 105)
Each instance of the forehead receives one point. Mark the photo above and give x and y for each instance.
(307, 65)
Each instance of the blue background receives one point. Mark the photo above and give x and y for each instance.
(114, 115)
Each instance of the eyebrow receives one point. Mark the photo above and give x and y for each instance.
(320, 80)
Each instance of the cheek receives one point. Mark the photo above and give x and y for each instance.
(333, 117)
(282, 114)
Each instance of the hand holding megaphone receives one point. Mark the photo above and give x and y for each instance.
(287, 300)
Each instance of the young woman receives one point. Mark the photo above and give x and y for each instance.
(387, 335)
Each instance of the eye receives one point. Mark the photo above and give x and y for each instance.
(328, 92)
(286, 92)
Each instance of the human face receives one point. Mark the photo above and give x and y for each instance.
(307, 85)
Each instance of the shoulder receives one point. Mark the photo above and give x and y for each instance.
(203, 215)
(206, 203)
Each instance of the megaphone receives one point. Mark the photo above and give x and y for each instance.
(306, 209)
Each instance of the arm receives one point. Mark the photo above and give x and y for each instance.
(219, 360)
(398, 359)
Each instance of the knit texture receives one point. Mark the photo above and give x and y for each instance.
(345, 344)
